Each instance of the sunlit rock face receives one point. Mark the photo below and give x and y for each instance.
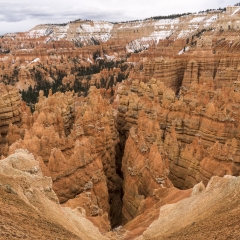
(74, 139)
(197, 130)
(28, 195)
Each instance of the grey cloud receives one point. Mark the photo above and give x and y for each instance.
(52, 10)
(19, 12)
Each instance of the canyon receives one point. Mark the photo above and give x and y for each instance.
(124, 130)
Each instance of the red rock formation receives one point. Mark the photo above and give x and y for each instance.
(192, 124)
(10, 113)
(144, 166)
(170, 72)
(76, 140)
(191, 215)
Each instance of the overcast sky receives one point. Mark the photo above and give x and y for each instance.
(22, 15)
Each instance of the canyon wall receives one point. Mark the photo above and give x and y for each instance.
(74, 139)
(28, 195)
(10, 113)
(198, 129)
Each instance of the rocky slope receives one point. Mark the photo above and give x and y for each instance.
(213, 209)
(144, 169)
(28, 196)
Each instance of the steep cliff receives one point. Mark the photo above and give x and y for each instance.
(10, 113)
(199, 127)
(134, 155)
(28, 196)
(144, 168)
(74, 139)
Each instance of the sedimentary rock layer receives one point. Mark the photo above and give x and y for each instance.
(199, 127)
(74, 139)
(28, 196)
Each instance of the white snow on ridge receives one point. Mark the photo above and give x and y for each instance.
(95, 27)
(132, 26)
(63, 28)
(109, 57)
(167, 21)
(129, 50)
(158, 35)
(97, 30)
(197, 19)
(34, 61)
(89, 60)
(37, 33)
(195, 26)
(60, 32)
(184, 33)
(139, 44)
(144, 42)
(105, 37)
(48, 31)
(159, 27)
(158, 24)
(88, 31)
(210, 20)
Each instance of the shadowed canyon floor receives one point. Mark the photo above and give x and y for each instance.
(122, 131)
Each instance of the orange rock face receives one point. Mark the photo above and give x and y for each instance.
(197, 129)
(145, 169)
(28, 195)
(75, 139)
(10, 113)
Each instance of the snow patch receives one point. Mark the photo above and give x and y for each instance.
(235, 11)
(182, 51)
(34, 61)
(42, 31)
(139, 44)
(110, 58)
(184, 33)
(144, 42)
(97, 30)
(210, 20)
(89, 60)
(167, 22)
(94, 27)
(159, 35)
(138, 25)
